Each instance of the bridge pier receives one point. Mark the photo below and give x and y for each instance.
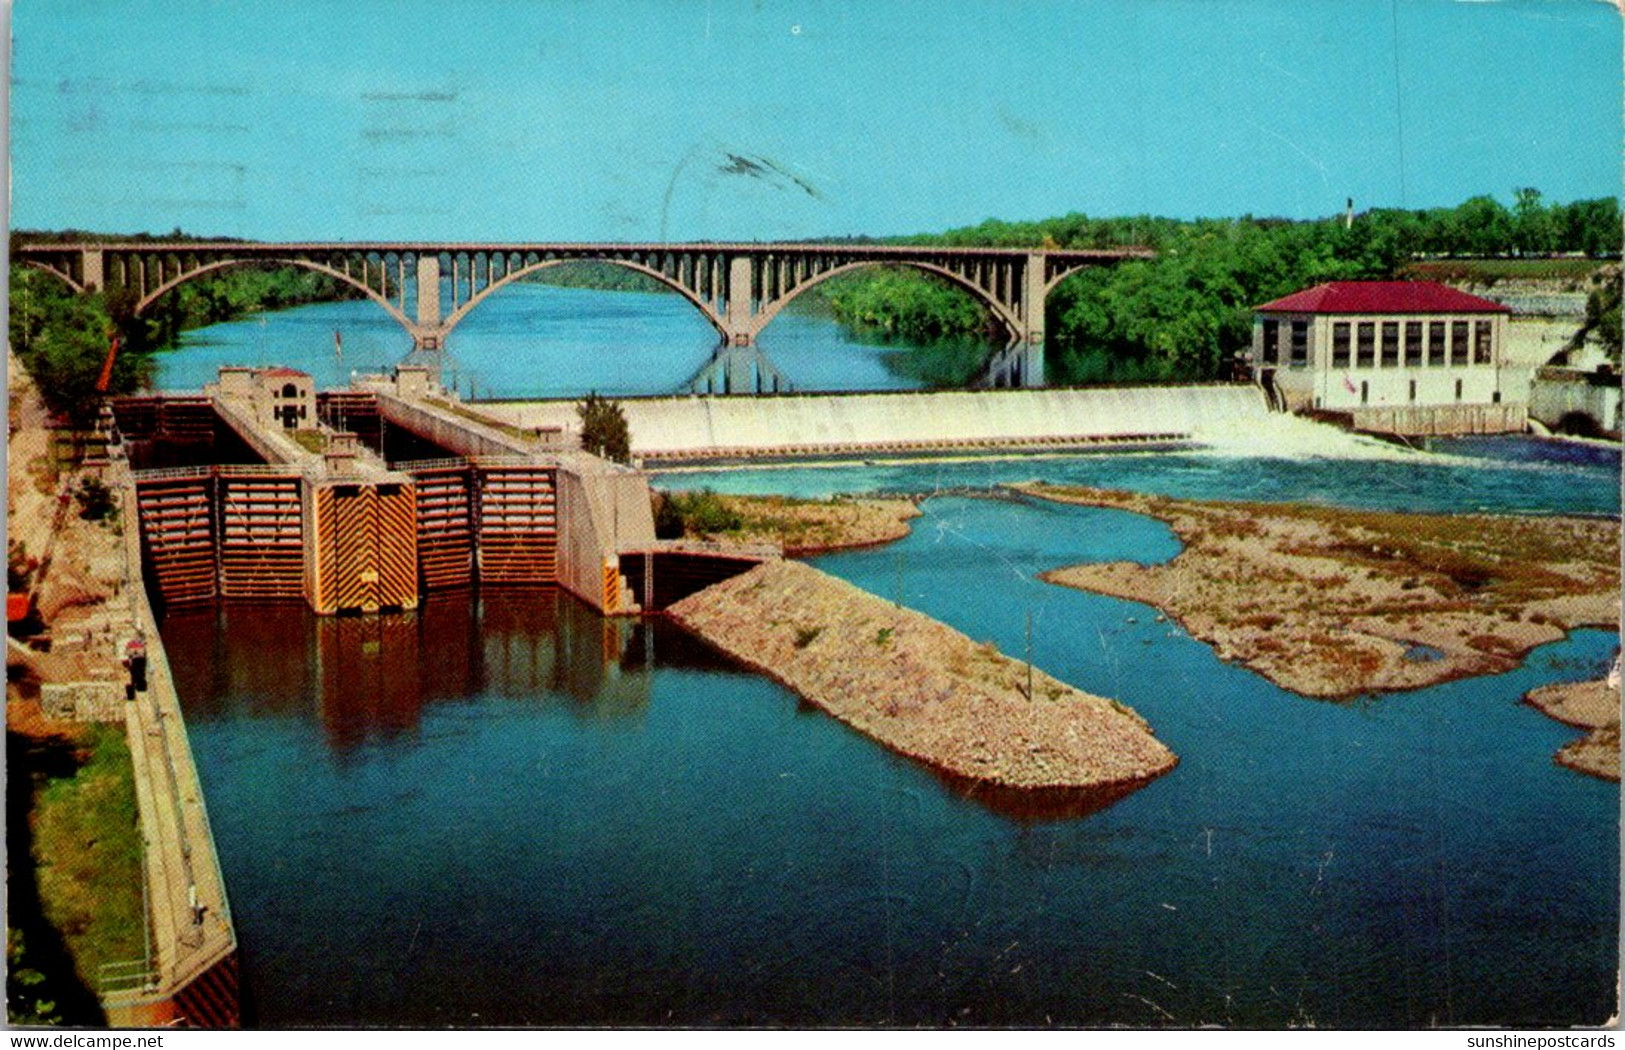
(429, 350)
(1021, 364)
(94, 274)
(739, 370)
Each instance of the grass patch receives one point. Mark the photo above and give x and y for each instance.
(484, 420)
(311, 440)
(87, 852)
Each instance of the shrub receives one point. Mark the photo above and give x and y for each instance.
(668, 518)
(95, 500)
(699, 513)
(604, 430)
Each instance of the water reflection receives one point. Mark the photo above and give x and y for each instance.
(368, 678)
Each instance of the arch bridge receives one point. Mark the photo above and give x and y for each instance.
(429, 288)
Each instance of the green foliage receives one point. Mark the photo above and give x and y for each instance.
(601, 276)
(62, 340)
(25, 986)
(805, 636)
(1602, 315)
(95, 500)
(87, 840)
(234, 292)
(901, 303)
(695, 514)
(668, 519)
(603, 429)
(883, 636)
(310, 440)
(1183, 315)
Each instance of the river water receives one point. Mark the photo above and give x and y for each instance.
(504, 810)
(532, 340)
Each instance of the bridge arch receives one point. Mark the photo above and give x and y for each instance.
(1063, 274)
(1001, 313)
(54, 272)
(338, 275)
(710, 314)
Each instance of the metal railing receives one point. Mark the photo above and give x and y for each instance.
(131, 975)
(285, 470)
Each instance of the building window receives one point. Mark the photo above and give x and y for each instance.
(1300, 343)
(1366, 346)
(1481, 343)
(1340, 345)
(289, 390)
(1458, 342)
(1435, 342)
(1413, 342)
(1390, 344)
(1458, 390)
(1413, 390)
(1272, 342)
(1365, 392)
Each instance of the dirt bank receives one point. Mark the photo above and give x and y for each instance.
(920, 687)
(1585, 705)
(1331, 602)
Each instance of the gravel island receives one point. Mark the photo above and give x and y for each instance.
(919, 687)
(1332, 602)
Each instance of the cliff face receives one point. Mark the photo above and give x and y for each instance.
(918, 686)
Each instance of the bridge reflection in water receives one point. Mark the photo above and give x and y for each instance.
(369, 678)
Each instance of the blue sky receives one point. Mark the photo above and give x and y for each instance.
(762, 119)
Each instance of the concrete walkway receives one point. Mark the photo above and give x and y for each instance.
(189, 913)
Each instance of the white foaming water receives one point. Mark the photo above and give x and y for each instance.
(1282, 436)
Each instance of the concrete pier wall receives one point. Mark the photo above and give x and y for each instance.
(700, 426)
(456, 434)
(270, 445)
(602, 508)
(1558, 395)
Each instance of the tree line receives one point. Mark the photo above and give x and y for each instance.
(1184, 314)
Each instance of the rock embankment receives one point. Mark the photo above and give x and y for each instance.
(1585, 705)
(918, 686)
(1333, 602)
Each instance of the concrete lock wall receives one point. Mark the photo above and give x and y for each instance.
(456, 434)
(718, 425)
(602, 508)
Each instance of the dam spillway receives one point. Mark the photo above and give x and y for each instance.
(719, 427)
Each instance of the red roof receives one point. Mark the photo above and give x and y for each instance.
(1383, 297)
(283, 372)
(16, 607)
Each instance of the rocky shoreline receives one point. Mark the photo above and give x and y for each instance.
(1334, 603)
(921, 688)
(1592, 706)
